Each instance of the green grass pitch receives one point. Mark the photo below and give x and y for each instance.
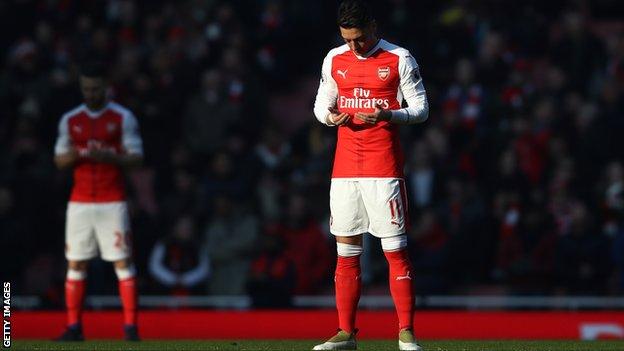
(378, 345)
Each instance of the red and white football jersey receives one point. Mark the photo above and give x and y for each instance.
(351, 83)
(114, 128)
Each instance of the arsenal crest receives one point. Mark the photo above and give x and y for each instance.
(383, 72)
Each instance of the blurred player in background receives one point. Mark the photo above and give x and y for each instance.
(363, 84)
(98, 139)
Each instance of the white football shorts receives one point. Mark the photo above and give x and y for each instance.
(360, 205)
(93, 226)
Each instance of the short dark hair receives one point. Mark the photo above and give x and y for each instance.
(354, 14)
(93, 69)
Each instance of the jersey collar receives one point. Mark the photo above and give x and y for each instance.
(371, 51)
(98, 113)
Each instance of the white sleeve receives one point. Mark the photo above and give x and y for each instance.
(63, 141)
(413, 91)
(327, 93)
(132, 142)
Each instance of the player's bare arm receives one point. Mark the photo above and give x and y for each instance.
(69, 159)
(66, 160)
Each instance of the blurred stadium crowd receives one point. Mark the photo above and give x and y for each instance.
(516, 181)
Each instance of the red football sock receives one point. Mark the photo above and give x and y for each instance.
(348, 286)
(401, 289)
(128, 294)
(74, 296)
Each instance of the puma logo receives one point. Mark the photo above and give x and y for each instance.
(342, 73)
(404, 277)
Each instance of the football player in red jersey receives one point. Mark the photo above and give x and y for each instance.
(98, 140)
(362, 87)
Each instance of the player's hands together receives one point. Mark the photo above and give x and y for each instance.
(101, 155)
(336, 118)
(373, 117)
